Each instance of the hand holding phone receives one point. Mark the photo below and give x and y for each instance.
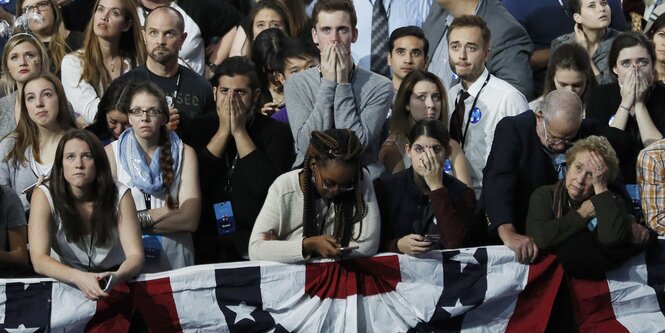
(32, 187)
(348, 248)
(106, 283)
(432, 238)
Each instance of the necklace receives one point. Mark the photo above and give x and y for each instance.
(112, 64)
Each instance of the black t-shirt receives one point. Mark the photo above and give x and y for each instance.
(191, 93)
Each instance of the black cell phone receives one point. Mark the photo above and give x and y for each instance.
(433, 238)
(348, 248)
(105, 283)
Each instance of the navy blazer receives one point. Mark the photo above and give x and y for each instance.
(516, 167)
(510, 46)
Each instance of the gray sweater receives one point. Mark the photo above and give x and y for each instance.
(7, 116)
(15, 176)
(315, 103)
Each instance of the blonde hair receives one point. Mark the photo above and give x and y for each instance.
(602, 147)
(10, 83)
(57, 47)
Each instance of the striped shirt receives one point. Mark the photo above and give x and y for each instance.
(651, 182)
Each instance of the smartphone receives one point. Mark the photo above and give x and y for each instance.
(106, 282)
(433, 238)
(32, 187)
(348, 248)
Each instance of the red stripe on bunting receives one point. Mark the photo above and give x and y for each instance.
(364, 276)
(154, 302)
(113, 313)
(593, 307)
(534, 304)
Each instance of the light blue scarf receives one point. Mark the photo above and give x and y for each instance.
(147, 178)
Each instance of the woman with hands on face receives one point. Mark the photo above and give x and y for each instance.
(631, 112)
(423, 208)
(83, 228)
(579, 219)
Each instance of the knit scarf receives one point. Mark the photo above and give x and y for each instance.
(147, 178)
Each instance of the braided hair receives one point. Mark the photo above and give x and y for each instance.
(340, 145)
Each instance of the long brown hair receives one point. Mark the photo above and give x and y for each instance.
(399, 121)
(340, 145)
(57, 47)
(27, 132)
(570, 56)
(165, 158)
(104, 217)
(131, 46)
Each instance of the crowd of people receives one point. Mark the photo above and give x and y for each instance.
(164, 135)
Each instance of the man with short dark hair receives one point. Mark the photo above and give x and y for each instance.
(241, 152)
(188, 92)
(408, 49)
(339, 94)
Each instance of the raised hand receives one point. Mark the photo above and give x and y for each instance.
(329, 63)
(344, 64)
(628, 90)
(433, 173)
(599, 172)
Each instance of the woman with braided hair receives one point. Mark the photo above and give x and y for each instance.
(162, 173)
(326, 209)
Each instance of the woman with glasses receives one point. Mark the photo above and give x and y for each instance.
(582, 221)
(422, 207)
(421, 96)
(83, 229)
(631, 112)
(51, 30)
(23, 55)
(162, 174)
(112, 46)
(326, 209)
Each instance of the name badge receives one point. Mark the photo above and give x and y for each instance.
(152, 246)
(476, 115)
(226, 221)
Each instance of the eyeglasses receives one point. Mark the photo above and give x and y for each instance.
(329, 186)
(152, 112)
(40, 6)
(553, 140)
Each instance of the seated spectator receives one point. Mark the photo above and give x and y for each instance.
(651, 182)
(51, 31)
(656, 33)
(267, 55)
(264, 15)
(569, 69)
(27, 153)
(631, 112)
(423, 208)
(13, 233)
(113, 45)
(298, 56)
(339, 94)
(112, 115)
(240, 153)
(320, 210)
(592, 32)
(192, 51)
(23, 55)
(83, 226)
(162, 174)
(421, 96)
(408, 52)
(579, 219)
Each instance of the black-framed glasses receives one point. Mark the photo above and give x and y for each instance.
(555, 141)
(152, 112)
(40, 6)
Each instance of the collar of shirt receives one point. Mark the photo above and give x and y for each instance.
(475, 87)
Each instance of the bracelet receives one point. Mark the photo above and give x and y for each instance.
(623, 107)
(145, 220)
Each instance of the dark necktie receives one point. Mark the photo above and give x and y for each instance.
(379, 62)
(458, 117)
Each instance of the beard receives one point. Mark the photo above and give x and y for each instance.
(161, 54)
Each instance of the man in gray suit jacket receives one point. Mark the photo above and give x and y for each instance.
(509, 51)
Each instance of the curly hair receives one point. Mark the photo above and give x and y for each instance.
(602, 147)
(339, 145)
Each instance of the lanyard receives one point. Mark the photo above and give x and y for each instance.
(473, 106)
(230, 166)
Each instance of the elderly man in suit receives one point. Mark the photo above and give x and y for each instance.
(509, 52)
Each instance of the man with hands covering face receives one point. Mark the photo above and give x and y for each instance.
(241, 152)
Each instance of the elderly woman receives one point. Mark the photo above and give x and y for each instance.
(579, 219)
